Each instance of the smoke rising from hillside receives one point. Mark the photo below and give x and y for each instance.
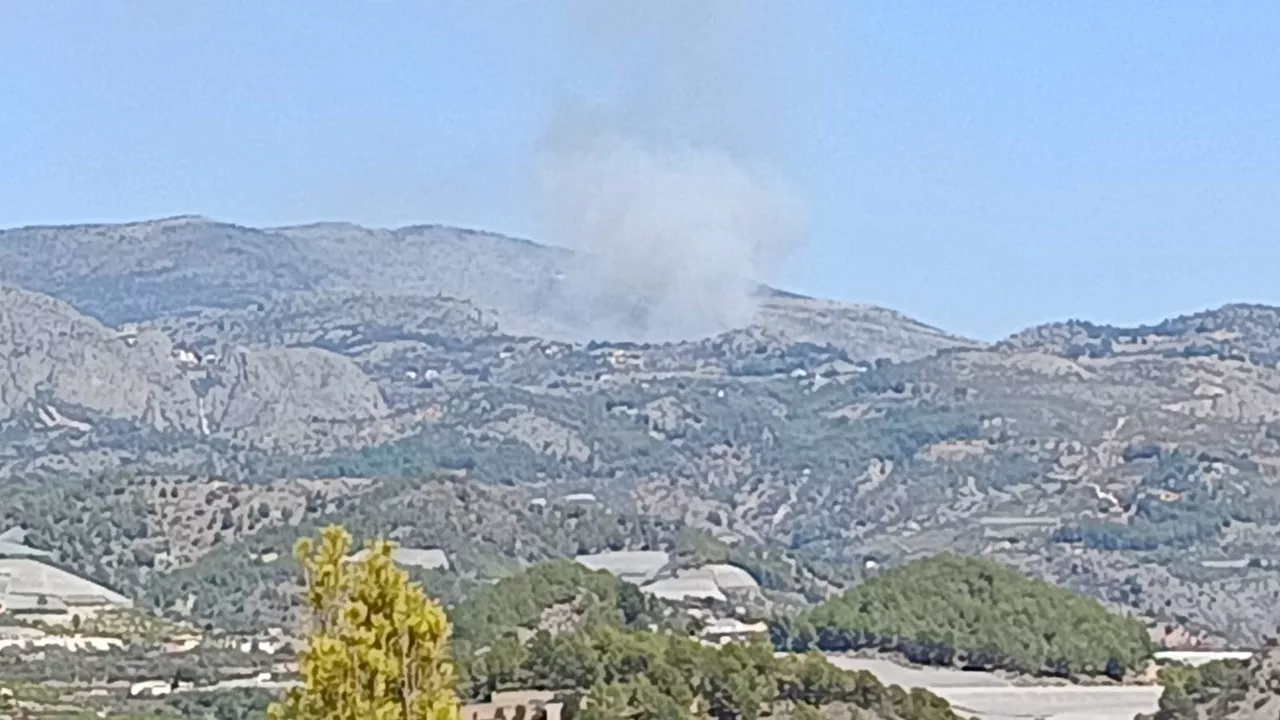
(661, 190)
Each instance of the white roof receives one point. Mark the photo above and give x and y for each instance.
(1226, 564)
(1200, 657)
(1024, 520)
(734, 626)
(32, 603)
(642, 564)
(413, 557)
(731, 577)
(17, 549)
(705, 582)
(31, 577)
(686, 587)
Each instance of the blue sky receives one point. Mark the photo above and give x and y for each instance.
(982, 166)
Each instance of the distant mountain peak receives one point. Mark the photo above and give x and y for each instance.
(134, 271)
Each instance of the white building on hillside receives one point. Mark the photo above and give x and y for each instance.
(714, 583)
(427, 558)
(31, 587)
(728, 630)
(634, 566)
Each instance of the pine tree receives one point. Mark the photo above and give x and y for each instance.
(378, 647)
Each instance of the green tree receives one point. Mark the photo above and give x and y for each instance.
(607, 702)
(500, 666)
(378, 646)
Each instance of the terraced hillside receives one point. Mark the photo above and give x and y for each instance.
(1137, 465)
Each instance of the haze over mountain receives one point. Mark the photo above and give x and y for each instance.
(702, 360)
(128, 273)
(1138, 465)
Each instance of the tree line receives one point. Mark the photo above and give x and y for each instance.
(380, 648)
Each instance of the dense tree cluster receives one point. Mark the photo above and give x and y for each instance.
(650, 676)
(617, 670)
(950, 610)
(623, 656)
(518, 601)
(1189, 689)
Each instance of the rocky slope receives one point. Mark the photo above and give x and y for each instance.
(54, 356)
(63, 374)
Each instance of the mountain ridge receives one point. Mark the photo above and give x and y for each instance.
(299, 258)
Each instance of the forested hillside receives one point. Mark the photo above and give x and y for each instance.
(949, 610)
(560, 627)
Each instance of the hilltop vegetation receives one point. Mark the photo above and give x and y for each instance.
(518, 602)
(650, 676)
(949, 610)
(598, 648)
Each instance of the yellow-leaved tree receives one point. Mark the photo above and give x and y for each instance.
(378, 647)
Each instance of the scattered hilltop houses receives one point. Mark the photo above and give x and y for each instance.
(270, 642)
(30, 585)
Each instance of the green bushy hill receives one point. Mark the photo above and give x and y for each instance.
(950, 610)
(558, 626)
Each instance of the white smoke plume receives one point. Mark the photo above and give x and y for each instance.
(662, 192)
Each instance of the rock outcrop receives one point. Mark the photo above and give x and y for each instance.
(66, 370)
